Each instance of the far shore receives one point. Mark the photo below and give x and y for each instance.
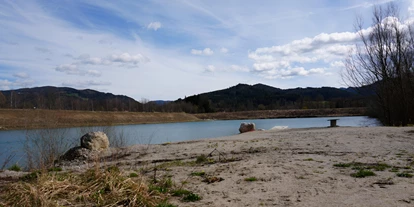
(13, 119)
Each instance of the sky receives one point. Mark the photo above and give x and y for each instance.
(169, 49)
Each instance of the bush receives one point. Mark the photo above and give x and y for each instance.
(201, 159)
(192, 197)
(15, 167)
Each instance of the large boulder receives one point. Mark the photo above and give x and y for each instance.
(96, 141)
(247, 127)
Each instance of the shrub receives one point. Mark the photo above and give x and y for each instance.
(201, 159)
(192, 197)
(15, 167)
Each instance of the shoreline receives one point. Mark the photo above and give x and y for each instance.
(15, 119)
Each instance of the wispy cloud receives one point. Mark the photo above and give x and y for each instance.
(206, 51)
(22, 75)
(154, 26)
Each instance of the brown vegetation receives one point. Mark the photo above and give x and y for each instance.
(31, 119)
(291, 113)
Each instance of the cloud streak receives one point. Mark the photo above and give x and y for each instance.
(207, 52)
(154, 26)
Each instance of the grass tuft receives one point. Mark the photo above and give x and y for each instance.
(180, 192)
(201, 174)
(405, 175)
(363, 173)
(344, 165)
(133, 175)
(192, 197)
(250, 179)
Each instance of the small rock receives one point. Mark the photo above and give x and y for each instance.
(247, 127)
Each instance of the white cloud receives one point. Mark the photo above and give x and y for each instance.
(206, 51)
(7, 85)
(210, 68)
(94, 73)
(309, 44)
(72, 69)
(154, 25)
(291, 72)
(21, 75)
(224, 50)
(127, 58)
(337, 64)
(68, 69)
(265, 66)
(85, 84)
(411, 8)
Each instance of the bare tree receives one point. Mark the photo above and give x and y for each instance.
(383, 60)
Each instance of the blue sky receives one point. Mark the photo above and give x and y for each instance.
(168, 49)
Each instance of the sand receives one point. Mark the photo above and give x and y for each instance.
(293, 167)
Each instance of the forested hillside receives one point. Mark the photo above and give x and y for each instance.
(63, 98)
(243, 97)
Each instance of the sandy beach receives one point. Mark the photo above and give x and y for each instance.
(290, 167)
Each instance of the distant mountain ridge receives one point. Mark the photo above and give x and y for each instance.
(243, 97)
(65, 98)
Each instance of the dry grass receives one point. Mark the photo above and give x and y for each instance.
(32, 119)
(291, 113)
(93, 188)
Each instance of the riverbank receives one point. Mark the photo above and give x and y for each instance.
(340, 166)
(288, 113)
(32, 119)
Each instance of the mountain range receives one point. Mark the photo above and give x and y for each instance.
(241, 97)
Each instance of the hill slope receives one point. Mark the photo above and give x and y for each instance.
(243, 97)
(49, 97)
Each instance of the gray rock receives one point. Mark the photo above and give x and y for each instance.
(76, 153)
(96, 141)
(247, 127)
